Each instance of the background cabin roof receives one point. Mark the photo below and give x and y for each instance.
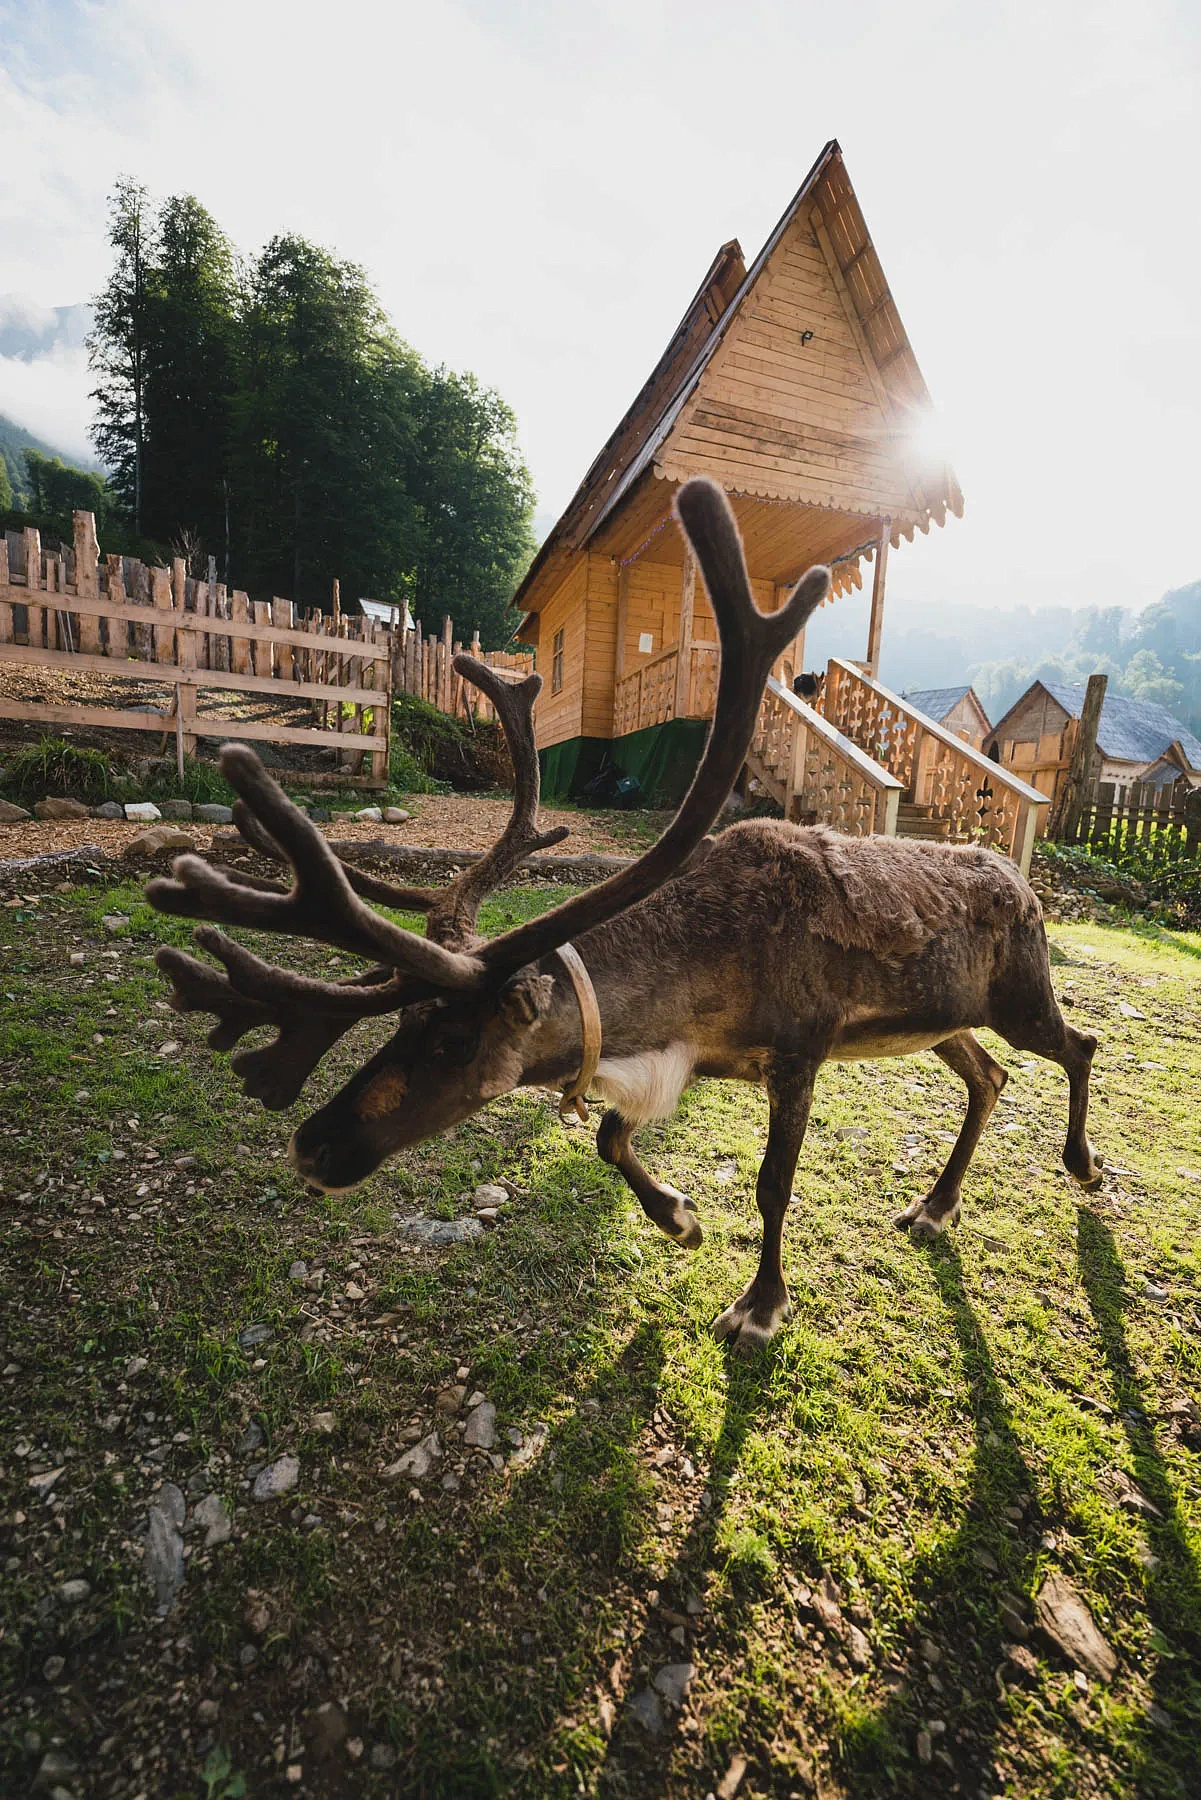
(936, 703)
(825, 194)
(1129, 730)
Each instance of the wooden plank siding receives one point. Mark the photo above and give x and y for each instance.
(560, 716)
(776, 416)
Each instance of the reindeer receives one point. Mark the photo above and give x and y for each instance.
(756, 957)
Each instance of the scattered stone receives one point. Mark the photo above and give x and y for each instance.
(449, 1401)
(163, 1558)
(1157, 1716)
(320, 815)
(416, 1463)
(54, 1767)
(158, 839)
(42, 1484)
(276, 1479)
(62, 809)
(535, 1442)
(74, 1592)
(925, 1747)
(10, 814)
(210, 1514)
(852, 1134)
(858, 1647)
(383, 1756)
(442, 1231)
(369, 815)
(108, 809)
(825, 1603)
(1130, 1012)
(298, 1271)
(490, 1193)
(176, 809)
(142, 812)
(208, 1712)
(673, 1682)
(212, 813)
(726, 1172)
(77, 959)
(257, 1616)
(481, 1427)
(53, 1667)
(984, 1559)
(1152, 1291)
(326, 1423)
(327, 1729)
(733, 1778)
(251, 1336)
(396, 815)
(1189, 1174)
(252, 1439)
(1012, 1621)
(1066, 1620)
(647, 1708)
(116, 924)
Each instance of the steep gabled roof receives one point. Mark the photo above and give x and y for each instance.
(938, 702)
(824, 205)
(1128, 731)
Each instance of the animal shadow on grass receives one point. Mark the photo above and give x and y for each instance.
(1173, 1584)
(645, 1739)
(959, 1589)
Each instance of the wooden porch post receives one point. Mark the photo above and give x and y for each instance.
(684, 636)
(876, 626)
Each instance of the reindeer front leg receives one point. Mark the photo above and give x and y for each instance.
(669, 1209)
(758, 1313)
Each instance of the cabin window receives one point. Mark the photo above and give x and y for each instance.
(556, 667)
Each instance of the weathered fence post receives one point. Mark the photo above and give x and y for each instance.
(1065, 823)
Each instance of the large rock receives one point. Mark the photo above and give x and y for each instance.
(10, 814)
(277, 1479)
(1066, 1620)
(176, 809)
(442, 1231)
(369, 815)
(61, 809)
(396, 815)
(108, 809)
(142, 812)
(158, 839)
(213, 814)
(163, 1560)
(416, 1463)
(481, 1427)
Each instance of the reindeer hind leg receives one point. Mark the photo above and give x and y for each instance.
(671, 1211)
(984, 1080)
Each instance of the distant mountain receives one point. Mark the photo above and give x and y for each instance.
(14, 441)
(30, 332)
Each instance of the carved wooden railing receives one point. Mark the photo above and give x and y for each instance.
(816, 774)
(978, 799)
(650, 694)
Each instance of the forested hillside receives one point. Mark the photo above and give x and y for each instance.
(1152, 655)
(264, 411)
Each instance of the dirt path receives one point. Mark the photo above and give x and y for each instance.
(440, 821)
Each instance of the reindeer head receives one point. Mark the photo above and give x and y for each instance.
(470, 1010)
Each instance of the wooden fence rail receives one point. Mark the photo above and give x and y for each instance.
(1162, 822)
(422, 666)
(65, 609)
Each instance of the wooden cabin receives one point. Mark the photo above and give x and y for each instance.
(1137, 741)
(958, 708)
(791, 383)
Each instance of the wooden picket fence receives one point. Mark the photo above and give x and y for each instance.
(422, 666)
(67, 609)
(1163, 822)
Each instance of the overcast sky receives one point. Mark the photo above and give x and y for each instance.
(536, 187)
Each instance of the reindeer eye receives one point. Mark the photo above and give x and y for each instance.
(456, 1046)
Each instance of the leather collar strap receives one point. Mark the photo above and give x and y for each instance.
(590, 1025)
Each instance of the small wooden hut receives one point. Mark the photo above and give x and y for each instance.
(958, 708)
(791, 383)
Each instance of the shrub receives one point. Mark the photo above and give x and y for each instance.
(52, 766)
(431, 752)
(1170, 880)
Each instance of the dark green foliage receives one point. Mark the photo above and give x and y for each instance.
(15, 441)
(268, 415)
(56, 490)
(431, 752)
(6, 488)
(1160, 869)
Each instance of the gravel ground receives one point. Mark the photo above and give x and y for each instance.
(446, 821)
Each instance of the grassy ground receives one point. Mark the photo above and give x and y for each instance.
(930, 1435)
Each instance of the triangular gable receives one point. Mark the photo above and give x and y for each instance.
(824, 419)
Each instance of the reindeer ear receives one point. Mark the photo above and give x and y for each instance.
(525, 1000)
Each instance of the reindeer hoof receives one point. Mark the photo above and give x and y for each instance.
(681, 1225)
(747, 1327)
(1093, 1177)
(925, 1225)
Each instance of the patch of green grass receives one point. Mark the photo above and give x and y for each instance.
(932, 1431)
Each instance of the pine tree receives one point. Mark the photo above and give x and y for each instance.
(118, 346)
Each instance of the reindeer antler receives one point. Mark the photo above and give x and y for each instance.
(326, 899)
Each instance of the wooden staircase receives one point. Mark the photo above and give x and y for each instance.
(918, 821)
